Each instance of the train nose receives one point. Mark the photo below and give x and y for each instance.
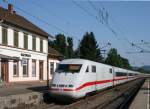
(62, 94)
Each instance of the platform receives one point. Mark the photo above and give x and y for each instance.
(22, 88)
(142, 99)
(21, 94)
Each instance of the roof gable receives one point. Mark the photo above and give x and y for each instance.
(18, 21)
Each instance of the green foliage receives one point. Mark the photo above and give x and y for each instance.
(59, 44)
(142, 70)
(88, 48)
(115, 59)
(126, 63)
(70, 52)
(63, 46)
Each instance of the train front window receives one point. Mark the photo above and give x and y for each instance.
(69, 68)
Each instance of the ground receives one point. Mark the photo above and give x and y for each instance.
(22, 87)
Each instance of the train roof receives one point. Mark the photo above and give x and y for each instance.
(81, 61)
(75, 61)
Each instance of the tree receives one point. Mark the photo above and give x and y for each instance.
(63, 46)
(126, 63)
(141, 70)
(70, 52)
(59, 44)
(115, 59)
(88, 48)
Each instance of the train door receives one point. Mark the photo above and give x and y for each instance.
(113, 77)
(101, 72)
(90, 78)
(94, 76)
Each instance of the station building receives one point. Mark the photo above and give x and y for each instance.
(23, 49)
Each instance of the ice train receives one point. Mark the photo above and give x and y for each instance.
(75, 78)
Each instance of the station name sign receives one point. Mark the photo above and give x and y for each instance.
(25, 55)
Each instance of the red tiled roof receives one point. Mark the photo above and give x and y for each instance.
(16, 20)
(54, 52)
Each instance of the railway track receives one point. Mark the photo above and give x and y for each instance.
(113, 98)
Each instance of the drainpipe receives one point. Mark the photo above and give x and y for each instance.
(48, 71)
(1, 21)
(0, 73)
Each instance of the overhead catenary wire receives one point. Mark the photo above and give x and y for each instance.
(108, 26)
(43, 21)
(123, 36)
(104, 18)
(146, 43)
(85, 10)
(142, 50)
(49, 11)
(40, 19)
(95, 17)
(56, 16)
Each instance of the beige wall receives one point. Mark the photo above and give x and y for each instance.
(16, 52)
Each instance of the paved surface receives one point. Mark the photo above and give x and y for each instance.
(22, 88)
(142, 99)
(22, 94)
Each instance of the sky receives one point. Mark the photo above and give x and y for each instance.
(130, 21)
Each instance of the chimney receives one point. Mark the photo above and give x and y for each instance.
(10, 8)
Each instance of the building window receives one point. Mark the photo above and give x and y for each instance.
(15, 69)
(4, 36)
(25, 67)
(41, 45)
(34, 43)
(51, 67)
(25, 41)
(33, 68)
(15, 38)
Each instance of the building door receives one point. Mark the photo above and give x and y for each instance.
(4, 70)
(41, 70)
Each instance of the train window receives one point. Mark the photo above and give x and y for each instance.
(110, 70)
(57, 65)
(87, 69)
(130, 74)
(93, 68)
(53, 85)
(121, 74)
(68, 68)
(70, 85)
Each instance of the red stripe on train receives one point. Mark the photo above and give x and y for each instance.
(89, 84)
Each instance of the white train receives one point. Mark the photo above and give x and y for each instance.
(75, 78)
